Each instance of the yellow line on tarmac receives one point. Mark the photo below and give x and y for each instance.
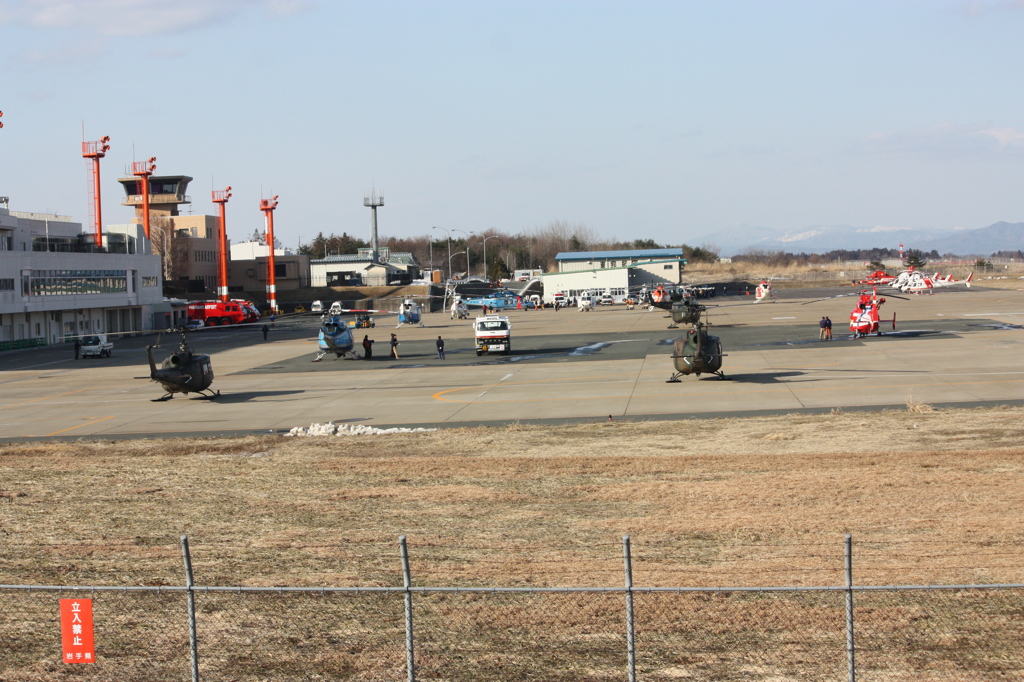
(72, 428)
(29, 402)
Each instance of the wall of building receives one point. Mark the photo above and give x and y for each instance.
(46, 296)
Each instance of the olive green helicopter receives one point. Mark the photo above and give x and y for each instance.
(698, 352)
(184, 371)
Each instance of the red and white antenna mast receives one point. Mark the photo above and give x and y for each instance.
(901, 253)
(268, 206)
(96, 151)
(142, 170)
(220, 197)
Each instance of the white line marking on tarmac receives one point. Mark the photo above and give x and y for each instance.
(507, 376)
(783, 318)
(988, 314)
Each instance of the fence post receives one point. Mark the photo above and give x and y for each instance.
(630, 634)
(410, 663)
(851, 667)
(193, 648)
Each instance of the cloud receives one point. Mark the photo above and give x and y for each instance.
(167, 53)
(68, 53)
(977, 8)
(948, 140)
(136, 17)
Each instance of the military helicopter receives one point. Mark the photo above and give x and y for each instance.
(183, 372)
(698, 352)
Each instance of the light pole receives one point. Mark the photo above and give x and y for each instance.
(449, 249)
(485, 253)
(466, 252)
(468, 235)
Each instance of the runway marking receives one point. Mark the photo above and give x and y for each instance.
(783, 318)
(987, 314)
(3, 407)
(72, 428)
(506, 377)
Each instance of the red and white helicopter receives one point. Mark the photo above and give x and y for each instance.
(878, 277)
(764, 292)
(864, 318)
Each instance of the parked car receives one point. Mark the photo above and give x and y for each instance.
(195, 324)
(317, 307)
(299, 309)
(607, 300)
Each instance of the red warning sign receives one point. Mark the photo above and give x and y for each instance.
(76, 631)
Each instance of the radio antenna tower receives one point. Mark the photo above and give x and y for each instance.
(373, 201)
(268, 206)
(96, 151)
(220, 197)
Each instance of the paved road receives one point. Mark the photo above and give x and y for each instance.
(956, 347)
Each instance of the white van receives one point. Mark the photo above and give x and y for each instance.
(317, 307)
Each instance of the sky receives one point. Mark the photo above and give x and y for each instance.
(656, 120)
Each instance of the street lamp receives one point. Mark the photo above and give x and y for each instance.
(485, 253)
(468, 235)
(449, 248)
(466, 252)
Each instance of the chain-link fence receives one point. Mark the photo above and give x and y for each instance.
(626, 632)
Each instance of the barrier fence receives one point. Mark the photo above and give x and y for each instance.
(624, 632)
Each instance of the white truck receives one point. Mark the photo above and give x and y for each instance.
(96, 346)
(493, 334)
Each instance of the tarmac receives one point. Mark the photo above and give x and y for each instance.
(959, 347)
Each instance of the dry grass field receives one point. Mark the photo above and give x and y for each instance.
(931, 496)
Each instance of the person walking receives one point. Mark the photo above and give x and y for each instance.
(440, 348)
(266, 330)
(821, 330)
(78, 347)
(828, 328)
(367, 347)
(394, 347)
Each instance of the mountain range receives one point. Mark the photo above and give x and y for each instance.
(983, 241)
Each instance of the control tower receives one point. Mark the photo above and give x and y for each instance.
(166, 193)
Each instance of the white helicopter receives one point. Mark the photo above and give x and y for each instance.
(459, 310)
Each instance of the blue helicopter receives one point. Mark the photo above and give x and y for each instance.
(335, 337)
(498, 300)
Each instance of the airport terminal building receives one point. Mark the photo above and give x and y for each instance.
(55, 283)
(612, 272)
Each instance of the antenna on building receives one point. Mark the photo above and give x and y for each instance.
(373, 200)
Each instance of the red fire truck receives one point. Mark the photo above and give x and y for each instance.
(214, 313)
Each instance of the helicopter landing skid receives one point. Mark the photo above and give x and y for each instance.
(162, 398)
(212, 396)
(674, 379)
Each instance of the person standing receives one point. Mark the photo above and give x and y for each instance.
(266, 330)
(821, 330)
(367, 347)
(78, 347)
(440, 348)
(828, 328)
(394, 347)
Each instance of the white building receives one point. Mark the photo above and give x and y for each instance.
(358, 269)
(55, 284)
(617, 273)
(254, 250)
